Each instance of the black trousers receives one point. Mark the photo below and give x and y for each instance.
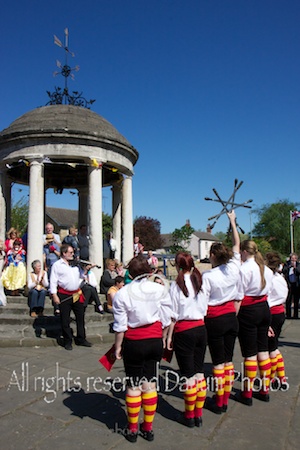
(293, 295)
(66, 306)
(254, 321)
(277, 321)
(190, 348)
(222, 332)
(141, 359)
(90, 294)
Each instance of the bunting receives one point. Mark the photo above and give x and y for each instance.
(295, 215)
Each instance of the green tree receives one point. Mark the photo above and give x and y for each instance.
(181, 238)
(274, 226)
(19, 215)
(106, 224)
(148, 230)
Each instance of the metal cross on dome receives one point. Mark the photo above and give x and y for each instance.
(229, 204)
(63, 96)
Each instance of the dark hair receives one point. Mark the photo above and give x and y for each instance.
(138, 266)
(119, 279)
(273, 260)
(222, 253)
(64, 248)
(185, 263)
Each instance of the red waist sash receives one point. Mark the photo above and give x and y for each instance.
(61, 290)
(149, 331)
(183, 325)
(220, 310)
(252, 300)
(278, 309)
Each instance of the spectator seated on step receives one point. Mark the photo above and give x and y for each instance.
(88, 287)
(37, 285)
(14, 275)
(119, 283)
(2, 262)
(108, 277)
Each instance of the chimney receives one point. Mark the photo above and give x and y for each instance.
(187, 223)
(208, 229)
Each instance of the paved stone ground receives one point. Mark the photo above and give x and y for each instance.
(53, 398)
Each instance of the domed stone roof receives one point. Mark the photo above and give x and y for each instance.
(74, 122)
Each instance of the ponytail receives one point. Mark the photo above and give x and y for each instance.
(185, 263)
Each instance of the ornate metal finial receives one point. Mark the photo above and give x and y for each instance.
(63, 96)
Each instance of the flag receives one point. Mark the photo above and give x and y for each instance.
(295, 215)
(108, 359)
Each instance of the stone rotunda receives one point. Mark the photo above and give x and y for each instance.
(65, 146)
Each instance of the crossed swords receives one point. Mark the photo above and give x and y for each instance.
(230, 202)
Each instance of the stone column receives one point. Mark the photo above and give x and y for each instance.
(35, 213)
(95, 219)
(7, 195)
(2, 205)
(82, 207)
(116, 216)
(127, 220)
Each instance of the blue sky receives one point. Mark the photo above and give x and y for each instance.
(206, 90)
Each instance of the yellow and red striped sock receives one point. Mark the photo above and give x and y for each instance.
(190, 396)
(133, 406)
(219, 377)
(281, 368)
(273, 367)
(201, 396)
(250, 369)
(229, 379)
(149, 404)
(265, 372)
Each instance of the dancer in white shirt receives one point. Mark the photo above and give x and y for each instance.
(221, 321)
(188, 333)
(277, 299)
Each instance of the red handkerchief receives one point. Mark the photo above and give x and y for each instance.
(167, 355)
(108, 359)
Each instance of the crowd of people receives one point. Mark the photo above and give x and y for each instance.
(241, 297)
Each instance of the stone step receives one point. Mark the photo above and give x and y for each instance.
(17, 328)
(21, 299)
(10, 315)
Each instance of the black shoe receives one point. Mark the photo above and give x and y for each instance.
(130, 436)
(198, 422)
(190, 423)
(224, 408)
(262, 397)
(99, 309)
(210, 404)
(148, 435)
(84, 343)
(245, 400)
(68, 347)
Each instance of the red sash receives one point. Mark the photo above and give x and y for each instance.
(183, 325)
(149, 331)
(253, 300)
(71, 293)
(220, 310)
(278, 309)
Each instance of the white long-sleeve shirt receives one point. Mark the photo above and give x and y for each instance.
(65, 276)
(250, 279)
(193, 307)
(141, 303)
(221, 282)
(278, 291)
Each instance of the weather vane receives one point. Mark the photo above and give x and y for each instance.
(228, 203)
(63, 96)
